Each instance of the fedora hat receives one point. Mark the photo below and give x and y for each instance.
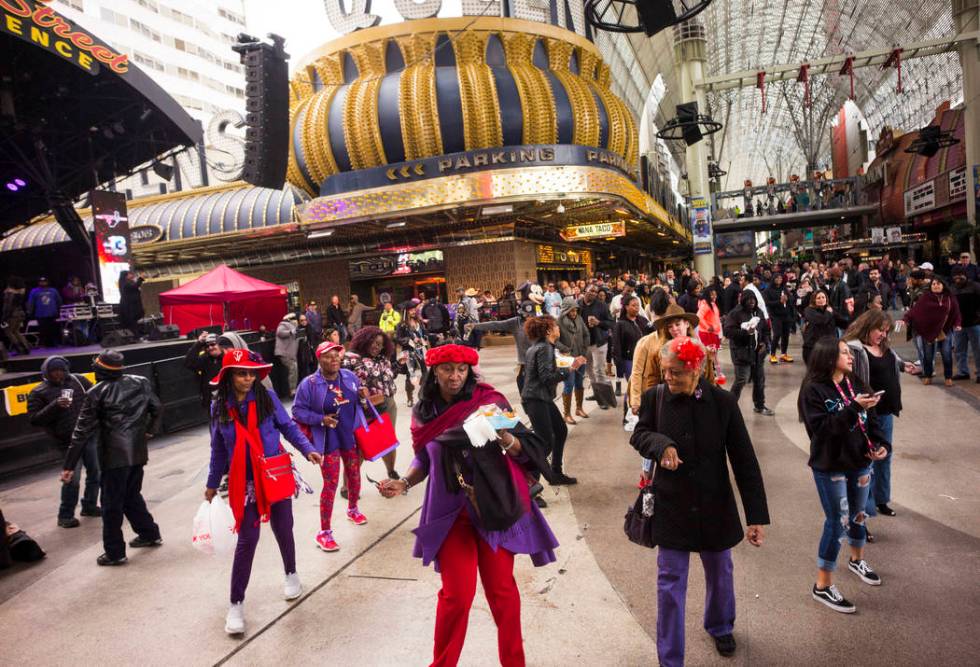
(675, 312)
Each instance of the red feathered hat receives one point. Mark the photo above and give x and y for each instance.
(242, 359)
(451, 354)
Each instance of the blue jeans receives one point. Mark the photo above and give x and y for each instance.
(963, 340)
(881, 471)
(843, 496)
(574, 380)
(929, 356)
(69, 491)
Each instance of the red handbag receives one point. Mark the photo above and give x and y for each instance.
(375, 438)
(276, 474)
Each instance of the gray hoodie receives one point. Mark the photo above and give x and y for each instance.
(574, 332)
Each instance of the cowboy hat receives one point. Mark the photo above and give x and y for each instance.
(472, 292)
(675, 312)
(242, 359)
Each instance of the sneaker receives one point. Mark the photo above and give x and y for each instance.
(540, 502)
(292, 588)
(831, 597)
(773, 359)
(785, 357)
(140, 542)
(235, 619)
(561, 479)
(69, 523)
(95, 511)
(885, 510)
(725, 645)
(324, 540)
(355, 517)
(106, 561)
(764, 411)
(864, 571)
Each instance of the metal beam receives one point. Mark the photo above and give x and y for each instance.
(832, 64)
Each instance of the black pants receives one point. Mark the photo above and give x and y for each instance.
(757, 372)
(547, 422)
(780, 336)
(122, 496)
(48, 332)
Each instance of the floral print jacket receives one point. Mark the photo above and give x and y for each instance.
(375, 373)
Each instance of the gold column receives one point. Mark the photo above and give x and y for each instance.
(482, 127)
(418, 110)
(537, 102)
(584, 111)
(362, 129)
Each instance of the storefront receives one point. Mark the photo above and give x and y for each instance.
(557, 263)
(398, 278)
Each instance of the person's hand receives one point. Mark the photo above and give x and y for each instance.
(330, 421)
(909, 367)
(957, 328)
(389, 488)
(635, 411)
(202, 337)
(579, 362)
(377, 399)
(756, 535)
(670, 460)
(867, 401)
(66, 476)
(363, 391)
(63, 402)
(209, 494)
(878, 454)
(315, 457)
(829, 309)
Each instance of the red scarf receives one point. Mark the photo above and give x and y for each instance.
(246, 439)
(483, 394)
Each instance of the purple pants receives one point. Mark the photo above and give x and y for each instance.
(719, 603)
(281, 518)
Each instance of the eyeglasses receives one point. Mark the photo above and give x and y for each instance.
(212, 345)
(671, 372)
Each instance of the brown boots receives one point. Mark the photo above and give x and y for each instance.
(566, 400)
(579, 412)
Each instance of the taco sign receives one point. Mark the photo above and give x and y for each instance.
(35, 22)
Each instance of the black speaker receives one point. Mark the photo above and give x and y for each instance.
(688, 114)
(118, 337)
(164, 332)
(214, 328)
(267, 113)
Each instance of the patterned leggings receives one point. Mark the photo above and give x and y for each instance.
(331, 475)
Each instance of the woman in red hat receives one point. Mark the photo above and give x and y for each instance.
(327, 403)
(477, 512)
(244, 416)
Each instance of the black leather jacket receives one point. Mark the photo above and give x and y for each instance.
(124, 410)
(541, 373)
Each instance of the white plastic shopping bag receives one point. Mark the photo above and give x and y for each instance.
(213, 530)
(631, 422)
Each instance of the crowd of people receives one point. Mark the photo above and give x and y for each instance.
(653, 342)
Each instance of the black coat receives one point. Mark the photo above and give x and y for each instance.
(541, 373)
(746, 348)
(122, 410)
(729, 298)
(695, 506)
(817, 323)
(130, 303)
(44, 411)
(205, 367)
(599, 334)
(837, 443)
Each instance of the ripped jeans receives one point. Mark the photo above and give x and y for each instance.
(843, 496)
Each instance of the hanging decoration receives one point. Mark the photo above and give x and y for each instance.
(804, 78)
(895, 60)
(848, 69)
(760, 83)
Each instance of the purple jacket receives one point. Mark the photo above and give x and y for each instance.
(308, 409)
(223, 435)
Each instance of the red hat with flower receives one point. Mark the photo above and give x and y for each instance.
(688, 351)
(245, 359)
(451, 354)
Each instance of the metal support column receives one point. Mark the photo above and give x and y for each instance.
(966, 14)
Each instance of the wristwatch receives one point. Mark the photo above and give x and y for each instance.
(408, 485)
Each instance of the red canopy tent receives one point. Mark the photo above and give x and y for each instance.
(226, 297)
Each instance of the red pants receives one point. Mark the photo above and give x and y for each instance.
(460, 556)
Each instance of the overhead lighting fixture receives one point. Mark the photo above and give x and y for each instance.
(395, 225)
(320, 234)
(622, 211)
(560, 208)
(498, 210)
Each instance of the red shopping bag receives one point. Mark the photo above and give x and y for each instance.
(377, 437)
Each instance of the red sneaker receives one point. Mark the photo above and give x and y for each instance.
(356, 517)
(324, 540)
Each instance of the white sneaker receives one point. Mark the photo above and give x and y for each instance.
(292, 589)
(235, 620)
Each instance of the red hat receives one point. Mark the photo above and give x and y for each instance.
(451, 354)
(326, 346)
(242, 359)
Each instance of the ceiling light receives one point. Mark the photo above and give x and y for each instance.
(498, 210)
(622, 211)
(320, 234)
(560, 208)
(394, 225)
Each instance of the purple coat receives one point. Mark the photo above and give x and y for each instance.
(223, 436)
(530, 535)
(311, 395)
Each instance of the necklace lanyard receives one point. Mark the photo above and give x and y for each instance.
(862, 415)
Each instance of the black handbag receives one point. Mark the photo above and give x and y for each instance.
(638, 522)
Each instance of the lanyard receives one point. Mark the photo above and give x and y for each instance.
(862, 415)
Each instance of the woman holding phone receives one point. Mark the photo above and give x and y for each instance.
(845, 439)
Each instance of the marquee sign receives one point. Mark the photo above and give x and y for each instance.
(403, 264)
(597, 230)
(549, 254)
(32, 21)
(145, 233)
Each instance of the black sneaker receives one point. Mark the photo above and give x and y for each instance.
(540, 502)
(764, 411)
(140, 542)
(95, 511)
(69, 523)
(561, 479)
(864, 571)
(725, 645)
(106, 561)
(831, 597)
(886, 510)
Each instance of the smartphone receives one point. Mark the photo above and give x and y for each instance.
(879, 393)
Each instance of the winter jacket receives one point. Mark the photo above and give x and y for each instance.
(389, 321)
(817, 323)
(838, 293)
(627, 335)
(205, 367)
(729, 298)
(541, 373)
(695, 506)
(837, 443)
(223, 436)
(646, 368)
(934, 314)
(44, 411)
(311, 394)
(287, 343)
(968, 299)
(315, 320)
(44, 302)
(774, 304)
(599, 334)
(574, 333)
(436, 317)
(336, 318)
(130, 301)
(746, 346)
(121, 409)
